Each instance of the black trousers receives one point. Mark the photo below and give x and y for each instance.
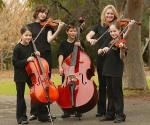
(101, 105)
(40, 110)
(115, 96)
(21, 104)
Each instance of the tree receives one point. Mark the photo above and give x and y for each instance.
(13, 17)
(134, 70)
(1, 4)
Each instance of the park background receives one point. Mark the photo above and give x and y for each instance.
(16, 13)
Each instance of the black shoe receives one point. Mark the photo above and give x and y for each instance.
(99, 115)
(119, 118)
(65, 115)
(78, 115)
(24, 122)
(53, 117)
(32, 117)
(107, 118)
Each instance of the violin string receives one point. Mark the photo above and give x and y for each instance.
(116, 39)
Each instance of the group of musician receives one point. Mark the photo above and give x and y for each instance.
(109, 63)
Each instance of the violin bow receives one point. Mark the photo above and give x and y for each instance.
(106, 31)
(116, 39)
(40, 32)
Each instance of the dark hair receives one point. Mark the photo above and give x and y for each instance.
(40, 8)
(24, 29)
(71, 26)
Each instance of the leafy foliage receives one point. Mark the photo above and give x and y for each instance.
(67, 11)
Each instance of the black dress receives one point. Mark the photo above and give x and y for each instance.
(99, 30)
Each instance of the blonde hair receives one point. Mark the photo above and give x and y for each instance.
(103, 20)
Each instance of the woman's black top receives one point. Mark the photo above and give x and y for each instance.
(100, 30)
(65, 49)
(19, 59)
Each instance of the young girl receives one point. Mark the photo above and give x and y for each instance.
(108, 15)
(113, 71)
(21, 55)
(43, 45)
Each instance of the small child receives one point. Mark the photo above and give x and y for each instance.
(113, 71)
(65, 49)
(22, 55)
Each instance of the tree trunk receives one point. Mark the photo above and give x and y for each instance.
(134, 69)
(149, 46)
(120, 6)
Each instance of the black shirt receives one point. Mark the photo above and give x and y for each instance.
(65, 49)
(99, 30)
(41, 42)
(113, 65)
(20, 55)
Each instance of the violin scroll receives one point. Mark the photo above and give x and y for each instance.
(124, 22)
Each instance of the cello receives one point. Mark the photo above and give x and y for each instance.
(80, 93)
(43, 90)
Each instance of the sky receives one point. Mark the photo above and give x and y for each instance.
(11, 0)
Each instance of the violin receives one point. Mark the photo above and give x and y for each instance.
(124, 22)
(117, 42)
(51, 23)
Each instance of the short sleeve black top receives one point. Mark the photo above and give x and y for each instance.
(41, 42)
(113, 65)
(19, 59)
(99, 30)
(65, 49)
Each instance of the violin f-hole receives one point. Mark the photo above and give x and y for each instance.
(84, 83)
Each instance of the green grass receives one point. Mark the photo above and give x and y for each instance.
(148, 82)
(7, 87)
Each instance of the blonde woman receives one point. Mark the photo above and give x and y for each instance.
(108, 15)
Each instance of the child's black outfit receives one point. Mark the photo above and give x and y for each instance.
(20, 55)
(65, 49)
(113, 72)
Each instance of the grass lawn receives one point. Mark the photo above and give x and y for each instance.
(7, 87)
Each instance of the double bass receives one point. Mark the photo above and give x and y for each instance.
(80, 93)
(43, 89)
